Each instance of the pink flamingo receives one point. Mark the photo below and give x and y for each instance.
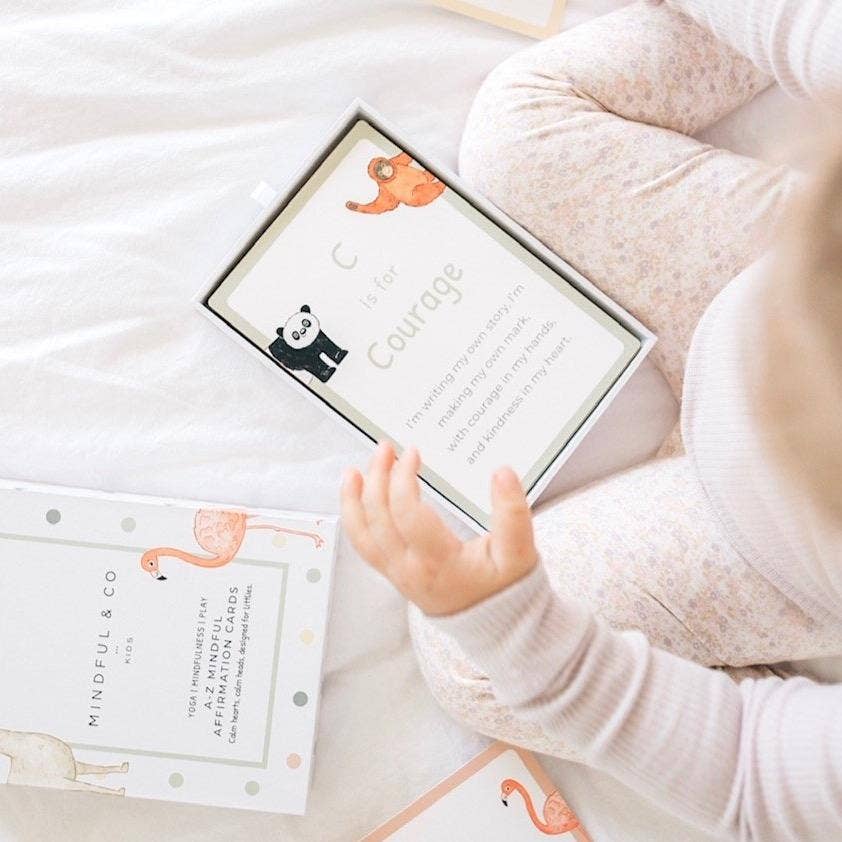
(217, 532)
(558, 817)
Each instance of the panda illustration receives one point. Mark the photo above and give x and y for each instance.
(301, 344)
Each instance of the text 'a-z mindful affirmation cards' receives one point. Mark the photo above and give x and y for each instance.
(417, 318)
(537, 18)
(161, 649)
(502, 795)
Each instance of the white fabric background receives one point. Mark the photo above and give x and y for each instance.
(131, 135)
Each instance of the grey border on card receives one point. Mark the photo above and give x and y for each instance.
(283, 566)
(359, 119)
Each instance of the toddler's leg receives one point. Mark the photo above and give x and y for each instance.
(644, 551)
(582, 139)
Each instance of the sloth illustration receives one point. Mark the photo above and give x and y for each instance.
(398, 182)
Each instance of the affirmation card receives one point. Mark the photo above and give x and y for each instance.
(161, 649)
(414, 316)
(502, 795)
(537, 18)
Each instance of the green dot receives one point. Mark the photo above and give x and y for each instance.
(176, 780)
(300, 699)
(127, 524)
(252, 788)
(313, 575)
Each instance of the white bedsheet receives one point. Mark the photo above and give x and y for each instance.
(132, 135)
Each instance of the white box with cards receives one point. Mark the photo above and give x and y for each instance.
(383, 287)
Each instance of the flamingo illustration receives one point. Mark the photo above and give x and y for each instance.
(217, 532)
(558, 817)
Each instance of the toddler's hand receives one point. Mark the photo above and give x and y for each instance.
(407, 542)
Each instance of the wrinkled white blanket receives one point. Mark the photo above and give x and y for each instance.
(132, 135)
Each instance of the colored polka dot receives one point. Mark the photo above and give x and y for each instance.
(300, 699)
(127, 524)
(280, 539)
(306, 636)
(176, 780)
(252, 788)
(313, 575)
(53, 516)
(293, 760)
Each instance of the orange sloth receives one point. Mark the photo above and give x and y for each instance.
(399, 182)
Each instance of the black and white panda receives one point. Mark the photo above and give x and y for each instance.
(301, 346)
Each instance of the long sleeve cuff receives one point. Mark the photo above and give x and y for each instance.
(521, 636)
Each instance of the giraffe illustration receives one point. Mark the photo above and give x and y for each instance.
(218, 532)
(42, 760)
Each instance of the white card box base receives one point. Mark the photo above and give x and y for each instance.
(359, 110)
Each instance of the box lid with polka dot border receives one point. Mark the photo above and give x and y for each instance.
(161, 648)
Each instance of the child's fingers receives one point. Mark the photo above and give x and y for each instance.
(375, 500)
(404, 484)
(511, 520)
(354, 520)
(420, 527)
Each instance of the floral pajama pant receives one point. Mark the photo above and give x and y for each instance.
(585, 139)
